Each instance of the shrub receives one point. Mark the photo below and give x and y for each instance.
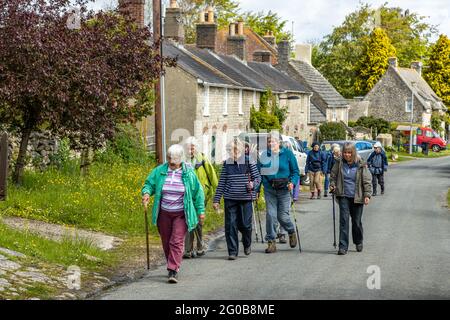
(332, 131)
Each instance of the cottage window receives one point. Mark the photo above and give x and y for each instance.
(240, 102)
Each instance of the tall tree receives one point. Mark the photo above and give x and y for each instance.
(75, 79)
(340, 51)
(437, 72)
(262, 23)
(374, 61)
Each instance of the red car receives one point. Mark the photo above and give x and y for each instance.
(429, 136)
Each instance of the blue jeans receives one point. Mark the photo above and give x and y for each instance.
(278, 203)
(238, 217)
(348, 208)
(327, 182)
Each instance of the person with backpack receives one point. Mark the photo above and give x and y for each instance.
(280, 173)
(207, 176)
(377, 163)
(316, 168)
(238, 181)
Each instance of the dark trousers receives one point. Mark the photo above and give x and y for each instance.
(197, 234)
(238, 217)
(380, 178)
(348, 208)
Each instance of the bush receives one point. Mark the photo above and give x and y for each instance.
(332, 131)
(378, 125)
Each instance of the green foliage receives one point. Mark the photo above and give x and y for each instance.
(378, 125)
(437, 73)
(374, 61)
(339, 53)
(352, 124)
(436, 120)
(62, 156)
(270, 115)
(262, 23)
(126, 147)
(332, 131)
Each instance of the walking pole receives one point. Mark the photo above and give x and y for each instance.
(334, 219)
(146, 236)
(295, 219)
(259, 220)
(254, 221)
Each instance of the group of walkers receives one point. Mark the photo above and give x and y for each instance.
(183, 186)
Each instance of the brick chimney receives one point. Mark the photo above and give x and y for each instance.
(236, 42)
(262, 56)
(173, 27)
(207, 31)
(393, 62)
(303, 52)
(284, 51)
(270, 38)
(417, 65)
(133, 8)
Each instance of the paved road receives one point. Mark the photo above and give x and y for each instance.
(407, 235)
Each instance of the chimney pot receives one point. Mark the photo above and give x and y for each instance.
(173, 4)
(210, 15)
(240, 28)
(202, 17)
(232, 29)
(393, 62)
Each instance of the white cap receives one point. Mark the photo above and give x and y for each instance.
(377, 144)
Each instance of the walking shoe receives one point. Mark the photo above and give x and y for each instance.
(247, 251)
(359, 247)
(318, 194)
(342, 252)
(282, 238)
(325, 194)
(382, 191)
(374, 194)
(312, 195)
(293, 240)
(187, 255)
(173, 276)
(232, 257)
(271, 247)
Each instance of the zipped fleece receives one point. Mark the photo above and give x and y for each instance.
(194, 198)
(363, 187)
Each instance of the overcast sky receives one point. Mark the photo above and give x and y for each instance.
(314, 19)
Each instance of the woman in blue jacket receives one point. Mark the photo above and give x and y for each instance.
(316, 168)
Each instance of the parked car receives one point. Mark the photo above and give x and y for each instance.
(364, 148)
(432, 138)
(260, 140)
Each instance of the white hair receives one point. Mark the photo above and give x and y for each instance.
(191, 141)
(175, 151)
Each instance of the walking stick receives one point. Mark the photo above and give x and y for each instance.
(334, 220)
(146, 236)
(254, 221)
(295, 219)
(259, 220)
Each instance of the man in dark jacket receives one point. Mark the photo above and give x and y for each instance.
(377, 164)
(316, 168)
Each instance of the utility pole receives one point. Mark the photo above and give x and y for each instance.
(3, 165)
(159, 133)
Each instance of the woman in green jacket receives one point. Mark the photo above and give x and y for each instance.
(178, 206)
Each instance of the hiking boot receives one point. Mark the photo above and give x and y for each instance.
(342, 252)
(293, 240)
(247, 251)
(312, 195)
(374, 194)
(232, 257)
(359, 247)
(271, 247)
(282, 238)
(325, 194)
(173, 276)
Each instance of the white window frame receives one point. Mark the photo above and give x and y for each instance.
(240, 110)
(408, 106)
(206, 102)
(225, 102)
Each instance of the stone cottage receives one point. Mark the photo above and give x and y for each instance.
(390, 98)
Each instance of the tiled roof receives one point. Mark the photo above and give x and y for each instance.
(421, 88)
(315, 115)
(195, 66)
(318, 84)
(276, 79)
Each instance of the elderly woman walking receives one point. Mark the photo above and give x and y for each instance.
(351, 182)
(208, 178)
(280, 173)
(316, 168)
(237, 183)
(178, 206)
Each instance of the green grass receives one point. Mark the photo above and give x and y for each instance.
(405, 156)
(65, 253)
